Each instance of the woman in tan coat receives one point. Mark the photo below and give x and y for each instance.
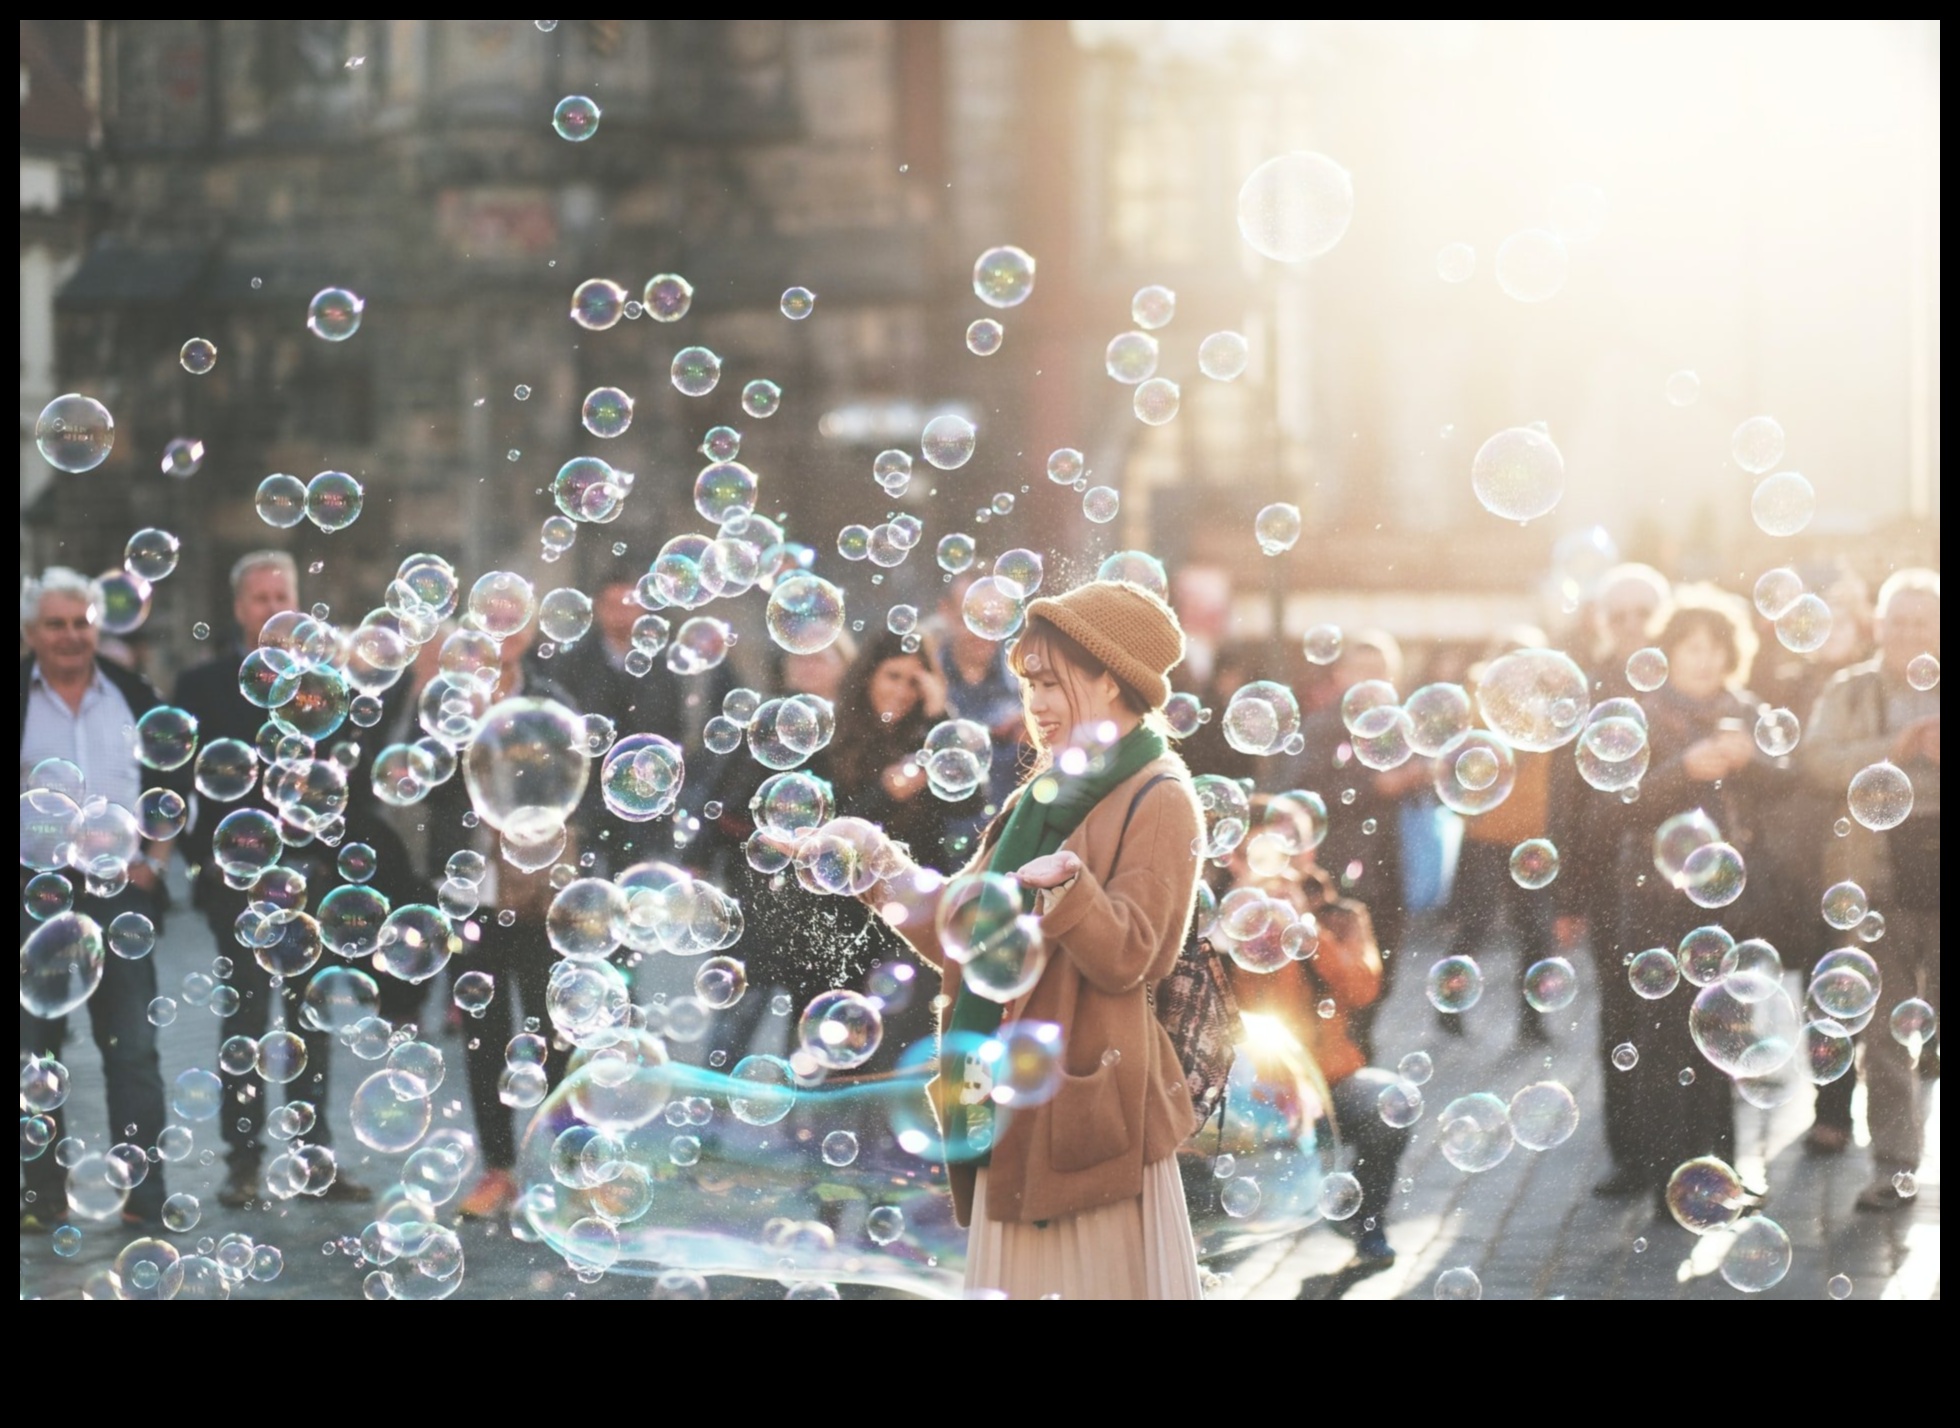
(1078, 1197)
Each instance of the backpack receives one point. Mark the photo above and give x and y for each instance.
(1194, 1004)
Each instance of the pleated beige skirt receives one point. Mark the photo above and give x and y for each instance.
(1137, 1249)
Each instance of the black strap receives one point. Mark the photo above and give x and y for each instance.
(1130, 813)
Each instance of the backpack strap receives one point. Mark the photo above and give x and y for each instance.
(1131, 812)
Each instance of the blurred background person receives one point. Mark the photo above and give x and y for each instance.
(980, 687)
(1631, 603)
(1871, 713)
(79, 707)
(1672, 1104)
(265, 583)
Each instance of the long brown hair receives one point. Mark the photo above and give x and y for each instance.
(1045, 646)
(864, 744)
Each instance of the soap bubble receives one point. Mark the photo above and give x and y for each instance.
(606, 412)
(1714, 875)
(1518, 474)
(1476, 1132)
(1456, 262)
(1654, 973)
(1776, 591)
(333, 500)
(334, 314)
(695, 371)
(991, 609)
(884, 1225)
(1460, 1283)
(668, 296)
(1003, 277)
(198, 356)
(166, 737)
(1399, 1103)
(1647, 669)
(805, 614)
(1534, 863)
(564, 615)
(1783, 504)
(839, 1030)
(762, 1090)
(151, 554)
(75, 433)
(383, 1120)
(956, 756)
(1880, 796)
(589, 489)
(984, 336)
(1130, 357)
(1025, 1062)
(1240, 1197)
(1743, 1031)
(1454, 984)
(798, 303)
(1156, 401)
(1296, 206)
(1532, 264)
(1340, 1196)
(947, 441)
(598, 304)
(132, 935)
(1226, 807)
(61, 964)
(1758, 1256)
(1777, 732)
(1682, 387)
(1804, 625)
(1543, 1115)
(1757, 444)
(575, 118)
(526, 769)
(641, 777)
(1827, 1050)
(1550, 985)
(761, 398)
(1020, 571)
(1912, 1023)
(48, 894)
(1101, 503)
(1475, 772)
(501, 603)
(1277, 528)
(1223, 356)
(1845, 905)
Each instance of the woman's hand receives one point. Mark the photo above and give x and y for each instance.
(932, 691)
(1050, 870)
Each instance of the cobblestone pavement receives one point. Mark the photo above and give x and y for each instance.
(1530, 1228)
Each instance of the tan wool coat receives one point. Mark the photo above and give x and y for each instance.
(1113, 934)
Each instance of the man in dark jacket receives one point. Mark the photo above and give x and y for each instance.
(78, 707)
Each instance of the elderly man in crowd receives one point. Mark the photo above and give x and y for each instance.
(77, 707)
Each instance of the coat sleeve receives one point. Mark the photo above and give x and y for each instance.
(1842, 737)
(1126, 930)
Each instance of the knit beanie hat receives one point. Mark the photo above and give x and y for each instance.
(1126, 627)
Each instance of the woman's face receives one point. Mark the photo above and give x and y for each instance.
(1698, 665)
(894, 689)
(1059, 700)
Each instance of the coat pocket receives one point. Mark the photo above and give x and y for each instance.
(1086, 1121)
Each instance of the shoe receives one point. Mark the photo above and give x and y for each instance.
(1881, 1197)
(241, 1187)
(1622, 1183)
(1372, 1249)
(344, 1190)
(490, 1198)
(1822, 1139)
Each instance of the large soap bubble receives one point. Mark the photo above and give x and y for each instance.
(1003, 276)
(1475, 772)
(1518, 474)
(1296, 206)
(1536, 698)
(526, 768)
(805, 614)
(75, 433)
(1745, 1027)
(60, 964)
(1262, 717)
(1880, 796)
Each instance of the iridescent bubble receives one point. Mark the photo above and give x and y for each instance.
(1912, 1023)
(1534, 863)
(1261, 717)
(1758, 1256)
(641, 777)
(1277, 528)
(526, 768)
(1223, 356)
(1804, 625)
(1744, 1028)
(984, 336)
(1130, 357)
(598, 304)
(1518, 474)
(75, 433)
(1296, 206)
(761, 398)
(334, 314)
(1156, 401)
(1322, 646)
(166, 737)
(1776, 591)
(1757, 445)
(333, 500)
(1138, 567)
(668, 296)
(1538, 699)
(724, 490)
(198, 356)
(1714, 875)
(722, 443)
(1845, 905)
(1003, 277)
(991, 609)
(151, 554)
(1340, 1196)
(1654, 973)
(607, 412)
(1066, 466)
(798, 303)
(1416, 1068)
(839, 1030)
(1532, 264)
(132, 936)
(1454, 984)
(1240, 1197)
(805, 614)
(1647, 669)
(1783, 504)
(1682, 388)
(1456, 262)
(1543, 1115)
(1399, 1103)
(383, 1120)
(564, 615)
(1839, 1286)
(1880, 796)
(1476, 1132)
(1827, 1050)
(1020, 570)
(1101, 503)
(1475, 772)
(1923, 672)
(1460, 1283)
(1438, 713)
(695, 371)
(1777, 732)
(501, 603)
(1550, 985)
(575, 118)
(183, 457)
(1626, 1056)
(948, 441)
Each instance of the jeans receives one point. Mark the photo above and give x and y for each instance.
(119, 1017)
(1377, 1145)
(1908, 958)
(520, 960)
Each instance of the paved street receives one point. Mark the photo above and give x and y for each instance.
(1529, 1228)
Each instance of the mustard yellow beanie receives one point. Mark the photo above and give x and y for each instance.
(1123, 625)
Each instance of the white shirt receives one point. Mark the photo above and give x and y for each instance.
(99, 738)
